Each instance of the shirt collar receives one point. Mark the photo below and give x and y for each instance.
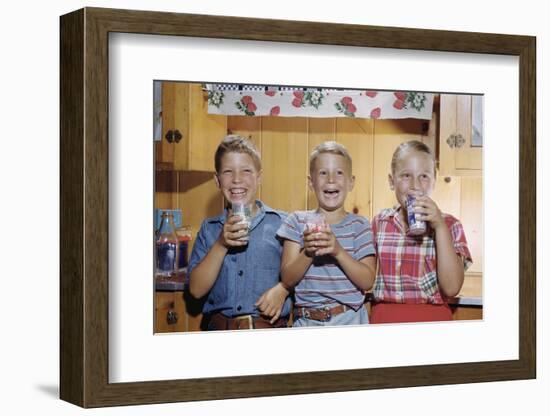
(390, 213)
(263, 209)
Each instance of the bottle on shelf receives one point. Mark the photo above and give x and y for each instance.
(167, 247)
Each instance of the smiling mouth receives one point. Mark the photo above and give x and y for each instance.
(331, 193)
(238, 192)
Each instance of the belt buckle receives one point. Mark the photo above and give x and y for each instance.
(328, 316)
(247, 318)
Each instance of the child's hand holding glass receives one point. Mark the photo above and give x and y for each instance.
(319, 240)
(326, 243)
(428, 211)
(235, 232)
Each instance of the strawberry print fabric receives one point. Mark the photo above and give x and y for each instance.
(235, 100)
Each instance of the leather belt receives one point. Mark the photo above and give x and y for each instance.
(221, 322)
(320, 314)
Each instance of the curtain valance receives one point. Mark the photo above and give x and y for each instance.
(256, 100)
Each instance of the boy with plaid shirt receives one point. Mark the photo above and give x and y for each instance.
(416, 274)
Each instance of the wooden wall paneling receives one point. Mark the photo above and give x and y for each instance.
(251, 128)
(199, 198)
(357, 136)
(284, 154)
(178, 114)
(319, 130)
(205, 130)
(471, 216)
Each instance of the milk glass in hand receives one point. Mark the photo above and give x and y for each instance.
(243, 211)
(315, 222)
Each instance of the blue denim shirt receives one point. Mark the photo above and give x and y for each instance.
(247, 272)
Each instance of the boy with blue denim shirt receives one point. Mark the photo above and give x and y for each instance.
(239, 276)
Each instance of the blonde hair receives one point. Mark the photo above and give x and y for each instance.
(237, 144)
(405, 147)
(332, 147)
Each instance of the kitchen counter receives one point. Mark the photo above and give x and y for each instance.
(172, 284)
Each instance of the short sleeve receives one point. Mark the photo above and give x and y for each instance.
(363, 240)
(459, 241)
(200, 248)
(291, 229)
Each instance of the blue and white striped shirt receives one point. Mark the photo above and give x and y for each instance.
(325, 283)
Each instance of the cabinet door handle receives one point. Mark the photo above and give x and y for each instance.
(171, 318)
(456, 140)
(173, 136)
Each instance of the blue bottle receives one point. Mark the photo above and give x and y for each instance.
(167, 252)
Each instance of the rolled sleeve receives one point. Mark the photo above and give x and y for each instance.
(460, 244)
(290, 229)
(200, 248)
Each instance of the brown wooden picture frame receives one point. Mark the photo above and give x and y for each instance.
(84, 207)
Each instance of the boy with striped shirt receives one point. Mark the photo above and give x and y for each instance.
(331, 266)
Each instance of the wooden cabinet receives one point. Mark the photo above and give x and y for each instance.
(176, 312)
(170, 312)
(195, 133)
(465, 313)
(457, 154)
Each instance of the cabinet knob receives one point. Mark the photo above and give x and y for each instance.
(173, 136)
(171, 318)
(456, 140)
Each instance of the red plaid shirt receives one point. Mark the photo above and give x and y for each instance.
(407, 266)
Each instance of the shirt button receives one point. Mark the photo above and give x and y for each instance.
(240, 272)
(239, 308)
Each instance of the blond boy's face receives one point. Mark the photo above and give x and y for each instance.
(331, 180)
(415, 172)
(238, 178)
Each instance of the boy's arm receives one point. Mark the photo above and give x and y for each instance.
(360, 272)
(294, 263)
(204, 275)
(272, 301)
(450, 267)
